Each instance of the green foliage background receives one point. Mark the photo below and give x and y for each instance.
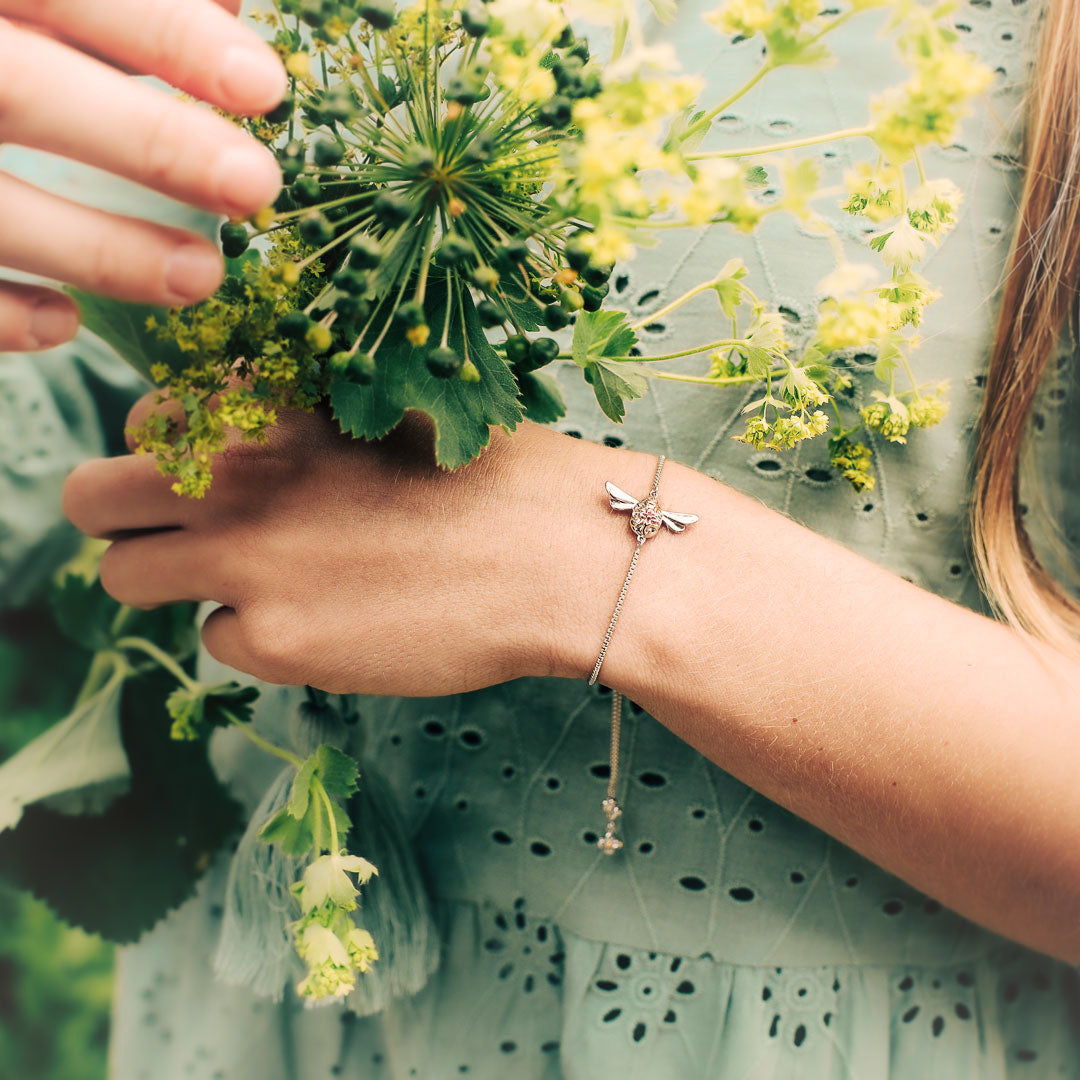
(55, 981)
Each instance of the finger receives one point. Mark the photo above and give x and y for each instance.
(147, 404)
(192, 44)
(106, 497)
(162, 568)
(56, 99)
(256, 641)
(103, 253)
(32, 318)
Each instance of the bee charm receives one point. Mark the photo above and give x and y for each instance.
(646, 515)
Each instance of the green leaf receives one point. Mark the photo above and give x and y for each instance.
(228, 701)
(758, 361)
(677, 139)
(195, 710)
(337, 771)
(296, 836)
(729, 291)
(614, 384)
(756, 176)
(300, 795)
(541, 397)
(84, 611)
(599, 334)
(119, 872)
(878, 242)
(78, 764)
(123, 326)
(462, 411)
(94, 620)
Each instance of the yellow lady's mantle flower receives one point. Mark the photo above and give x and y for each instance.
(327, 879)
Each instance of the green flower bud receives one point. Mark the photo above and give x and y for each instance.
(293, 324)
(306, 190)
(490, 314)
(316, 230)
(511, 254)
(576, 255)
(484, 277)
(454, 250)
(571, 300)
(341, 105)
(420, 159)
(475, 19)
(392, 209)
(352, 281)
(364, 252)
(556, 113)
(234, 239)
(555, 317)
(280, 113)
(351, 307)
(379, 13)
(338, 364)
(597, 275)
(565, 39)
(319, 338)
(542, 350)
(443, 363)
(362, 368)
(410, 314)
(291, 159)
(517, 349)
(593, 298)
(328, 152)
(470, 372)
(478, 152)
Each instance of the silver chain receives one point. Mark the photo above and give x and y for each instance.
(609, 843)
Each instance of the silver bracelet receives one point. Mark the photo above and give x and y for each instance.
(646, 519)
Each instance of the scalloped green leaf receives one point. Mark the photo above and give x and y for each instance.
(462, 412)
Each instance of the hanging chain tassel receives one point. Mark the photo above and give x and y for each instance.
(609, 843)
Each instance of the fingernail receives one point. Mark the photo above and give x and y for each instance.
(52, 322)
(192, 273)
(248, 178)
(252, 79)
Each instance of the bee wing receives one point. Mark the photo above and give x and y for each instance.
(619, 498)
(677, 522)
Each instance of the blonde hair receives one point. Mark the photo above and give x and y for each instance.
(1039, 295)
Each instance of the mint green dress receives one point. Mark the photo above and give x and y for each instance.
(729, 940)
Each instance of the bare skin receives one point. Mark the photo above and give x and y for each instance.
(936, 742)
(65, 88)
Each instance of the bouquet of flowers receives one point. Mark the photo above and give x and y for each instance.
(461, 182)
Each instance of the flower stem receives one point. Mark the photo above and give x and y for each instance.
(789, 144)
(163, 658)
(713, 113)
(335, 844)
(263, 744)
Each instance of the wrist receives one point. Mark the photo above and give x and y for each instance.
(596, 551)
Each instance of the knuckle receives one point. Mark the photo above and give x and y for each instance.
(162, 145)
(112, 572)
(15, 74)
(176, 39)
(270, 639)
(102, 267)
(77, 498)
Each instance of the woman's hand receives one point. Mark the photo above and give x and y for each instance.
(63, 89)
(363, 567)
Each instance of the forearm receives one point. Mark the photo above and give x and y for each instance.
(934, 741)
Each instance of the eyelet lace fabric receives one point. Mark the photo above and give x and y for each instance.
(729, 939)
